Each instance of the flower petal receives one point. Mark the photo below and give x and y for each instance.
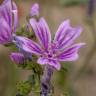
(55, 64)
(17, 58)
(28, 45)
(66, 35)
(61, 30)
(5, 11)
(42, 31)
(70, 54)
(44, 61)
(5, 32)
(15, 15)
(27, 55)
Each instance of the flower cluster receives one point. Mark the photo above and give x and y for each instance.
(49, 51)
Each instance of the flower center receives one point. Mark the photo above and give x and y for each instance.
(51, 52)
(50, 55)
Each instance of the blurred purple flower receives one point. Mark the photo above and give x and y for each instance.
(52, 52)
(34, 10)
(17, 58)
(8, 21)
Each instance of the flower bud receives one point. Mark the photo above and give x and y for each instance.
(17, 58)
(34, 10)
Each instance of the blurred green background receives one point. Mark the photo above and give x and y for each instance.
(77, 78)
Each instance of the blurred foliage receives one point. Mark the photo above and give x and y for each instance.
(8, 75)
(69, 92)
(63, 82)
(24, 88)
(32, 65)
(32, 85)
(65, 70)
(73, 2)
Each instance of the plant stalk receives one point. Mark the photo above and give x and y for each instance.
(46, 81)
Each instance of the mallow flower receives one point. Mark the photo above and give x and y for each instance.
(8, 21)
(52, 52)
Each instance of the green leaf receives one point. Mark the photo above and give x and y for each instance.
(24, 88)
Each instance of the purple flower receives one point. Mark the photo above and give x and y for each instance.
(49, 51)
(8, 21)
(34, 10)
(17, 58)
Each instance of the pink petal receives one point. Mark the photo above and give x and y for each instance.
(6, 11)
(61, 30)
(53, 63)
(42, 61)
(28, 45)
(42, 31)
(70, 54)
(15, 15)
(66, 35)
(70, 39)
(5, 32)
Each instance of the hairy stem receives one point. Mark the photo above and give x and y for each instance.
(46, 81)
